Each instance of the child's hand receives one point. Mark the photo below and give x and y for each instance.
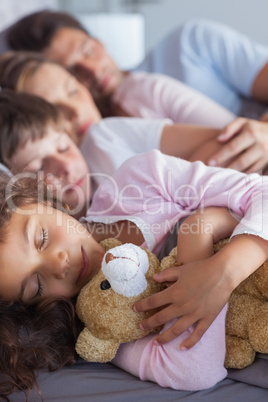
(197, 295)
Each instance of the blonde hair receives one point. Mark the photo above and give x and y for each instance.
(17, 67)
(26, 73)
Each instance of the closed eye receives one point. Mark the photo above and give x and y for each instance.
(39, 288)
(44, 239)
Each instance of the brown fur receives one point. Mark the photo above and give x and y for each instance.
(109, 317)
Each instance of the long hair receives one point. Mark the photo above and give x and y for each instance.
(33, 338)
(37, 336)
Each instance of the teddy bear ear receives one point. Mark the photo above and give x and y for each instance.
(107, 244)
(170, 259)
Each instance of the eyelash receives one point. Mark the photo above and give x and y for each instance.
(44, 238)
(40, 287)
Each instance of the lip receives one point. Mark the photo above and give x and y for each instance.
(75, 185)
(84, 129)
(105, 82)
(84, 266)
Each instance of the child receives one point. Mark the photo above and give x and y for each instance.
(141, 203)
(37, 336)
(34, 139)
(212, 58)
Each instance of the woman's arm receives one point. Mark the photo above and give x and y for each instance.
(173, 99)
(259, 88)
(242, 145)
(185, 141)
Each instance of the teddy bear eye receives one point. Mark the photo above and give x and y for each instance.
(105, 285)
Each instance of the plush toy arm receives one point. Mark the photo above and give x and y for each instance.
(93, 349)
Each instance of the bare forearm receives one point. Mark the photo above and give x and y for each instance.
(183, 140)
(201, 230)
(241, 257)
(260, 85)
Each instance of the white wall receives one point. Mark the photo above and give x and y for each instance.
(248, 16)
(161, 16)
(11, 10)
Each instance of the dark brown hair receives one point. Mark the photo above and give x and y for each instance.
(23, 118)
(36, 31)
(37, 336)
(20, 191)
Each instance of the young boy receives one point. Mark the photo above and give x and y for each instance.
(34, 138)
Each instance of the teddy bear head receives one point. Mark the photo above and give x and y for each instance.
(105, 304)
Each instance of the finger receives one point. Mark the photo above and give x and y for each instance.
(167, 275)
(160, 318)
(180, 326)
(249, 161)
(245, 160)
(157, 300)
(257, 167)
(231, 129)
(232, 149)
(196, 335)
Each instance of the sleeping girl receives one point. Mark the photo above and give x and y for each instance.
(145, 198)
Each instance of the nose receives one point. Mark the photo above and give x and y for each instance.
(87, 68)
(58, 169)
(58, 264)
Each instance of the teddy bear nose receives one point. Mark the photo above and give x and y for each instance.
(109, 257)
(125, 269)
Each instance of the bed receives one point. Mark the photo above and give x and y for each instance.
(107, 383)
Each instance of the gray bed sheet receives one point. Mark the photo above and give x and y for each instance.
(107, 383)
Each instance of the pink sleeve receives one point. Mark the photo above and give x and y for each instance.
(198, 368)
(159, 96)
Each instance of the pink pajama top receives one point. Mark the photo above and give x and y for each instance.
(155, 191)
(157, 96)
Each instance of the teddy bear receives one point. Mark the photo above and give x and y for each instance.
(105, 304)
(247, 318)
